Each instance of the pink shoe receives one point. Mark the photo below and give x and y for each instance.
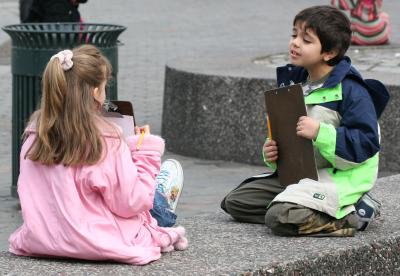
(182, 244)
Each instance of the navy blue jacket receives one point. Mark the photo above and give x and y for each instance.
(362, 103)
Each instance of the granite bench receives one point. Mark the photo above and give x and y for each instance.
(221, 246)
(222, 118)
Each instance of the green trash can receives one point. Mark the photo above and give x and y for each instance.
(33, 44)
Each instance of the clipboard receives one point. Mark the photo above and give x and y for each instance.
(121, 113)
(284, 106)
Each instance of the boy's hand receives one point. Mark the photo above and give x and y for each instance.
(270, 150)
(307, 127)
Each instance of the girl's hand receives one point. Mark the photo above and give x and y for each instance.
(307, 127)
(145, 128)
(270, 150)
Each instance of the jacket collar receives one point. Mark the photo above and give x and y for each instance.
(290, 74)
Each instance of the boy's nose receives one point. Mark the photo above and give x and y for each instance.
(295, 41)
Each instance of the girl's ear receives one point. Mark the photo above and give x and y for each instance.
(96, 93)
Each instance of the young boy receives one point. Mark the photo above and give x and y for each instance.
(343, 109)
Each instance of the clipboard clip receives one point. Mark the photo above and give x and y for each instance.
(109, 110)
(109, 106)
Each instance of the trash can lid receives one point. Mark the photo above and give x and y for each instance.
(51, 35)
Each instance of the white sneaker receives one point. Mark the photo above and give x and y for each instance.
(170, 181)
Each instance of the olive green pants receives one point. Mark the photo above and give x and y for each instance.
(249, 201)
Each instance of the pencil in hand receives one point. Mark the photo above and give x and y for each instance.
(269, 128)
(140, 140)
(142, 131)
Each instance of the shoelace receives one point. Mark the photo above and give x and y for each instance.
(161, 180)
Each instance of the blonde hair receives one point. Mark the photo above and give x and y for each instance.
(66, 121)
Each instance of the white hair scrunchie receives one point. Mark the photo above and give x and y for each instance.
(65, 58)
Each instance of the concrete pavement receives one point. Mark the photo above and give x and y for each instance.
(159, 32)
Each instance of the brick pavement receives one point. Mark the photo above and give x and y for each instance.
(158, 33)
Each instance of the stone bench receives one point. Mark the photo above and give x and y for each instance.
(221, 246)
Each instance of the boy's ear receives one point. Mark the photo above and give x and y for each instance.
(327, 56)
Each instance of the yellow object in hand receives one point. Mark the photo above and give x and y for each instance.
(140, 139)
(269, 128)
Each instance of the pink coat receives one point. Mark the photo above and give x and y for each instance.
(98, 212)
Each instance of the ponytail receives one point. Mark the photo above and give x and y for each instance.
(54, 90)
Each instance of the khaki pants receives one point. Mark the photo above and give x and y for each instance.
(249, 201)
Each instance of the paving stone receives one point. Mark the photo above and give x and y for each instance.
(216, 34)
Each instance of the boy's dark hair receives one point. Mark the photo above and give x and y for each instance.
(331, 26)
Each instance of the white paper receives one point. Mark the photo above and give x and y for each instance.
(125, 123)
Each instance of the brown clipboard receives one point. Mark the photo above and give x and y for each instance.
(284, 107)
(118, 108)
(120, 113)
(124, 108)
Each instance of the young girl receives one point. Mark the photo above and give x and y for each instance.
(85, 192)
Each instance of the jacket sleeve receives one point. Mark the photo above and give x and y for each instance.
(356, 139)
(129, 180)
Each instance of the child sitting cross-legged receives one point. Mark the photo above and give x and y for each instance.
(343, 111)
(85, 191)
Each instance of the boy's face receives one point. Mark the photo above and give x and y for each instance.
(305, 47)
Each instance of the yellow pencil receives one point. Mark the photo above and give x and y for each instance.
(140, 139)
(269, 128)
